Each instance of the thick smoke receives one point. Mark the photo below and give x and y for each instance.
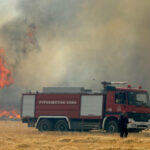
(76, 43)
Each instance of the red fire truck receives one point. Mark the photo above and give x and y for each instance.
(73, 108)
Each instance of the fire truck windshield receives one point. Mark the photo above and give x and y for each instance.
(138, 99)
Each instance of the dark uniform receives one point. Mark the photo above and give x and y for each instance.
(123, 121)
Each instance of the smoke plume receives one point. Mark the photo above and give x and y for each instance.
(75, 43)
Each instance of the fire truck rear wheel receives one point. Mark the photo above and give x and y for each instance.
(61, 125)
(112, 126)
(44, 125)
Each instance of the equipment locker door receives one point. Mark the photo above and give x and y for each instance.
(91, 105)
(28, 106)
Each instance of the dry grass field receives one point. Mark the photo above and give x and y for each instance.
(17, 136)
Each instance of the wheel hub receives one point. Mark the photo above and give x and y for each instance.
(111, 128)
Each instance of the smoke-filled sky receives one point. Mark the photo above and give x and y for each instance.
(74, 43)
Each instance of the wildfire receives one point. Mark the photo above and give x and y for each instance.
(6, 79)
(12, 114)
(5, 74)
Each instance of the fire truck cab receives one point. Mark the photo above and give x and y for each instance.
(66, 108)
(134, 101)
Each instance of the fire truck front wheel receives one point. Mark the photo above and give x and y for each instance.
(112, 126)
(44, 125)
(61, 125)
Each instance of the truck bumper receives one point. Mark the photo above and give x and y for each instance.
(138, 125)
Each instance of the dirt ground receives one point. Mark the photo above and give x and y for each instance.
(17, 136)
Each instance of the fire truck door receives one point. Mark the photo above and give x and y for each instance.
(138, 106)
(120, 101)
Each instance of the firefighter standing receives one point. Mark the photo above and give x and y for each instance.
(123, 121)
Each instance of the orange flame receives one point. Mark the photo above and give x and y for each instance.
(12, 114)
(5, 74)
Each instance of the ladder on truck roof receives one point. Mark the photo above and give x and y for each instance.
(106, 83)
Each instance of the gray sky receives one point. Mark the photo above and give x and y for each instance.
(8, 10)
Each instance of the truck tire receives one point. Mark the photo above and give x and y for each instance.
(44, 125)
(112, 126)
(61, 125)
